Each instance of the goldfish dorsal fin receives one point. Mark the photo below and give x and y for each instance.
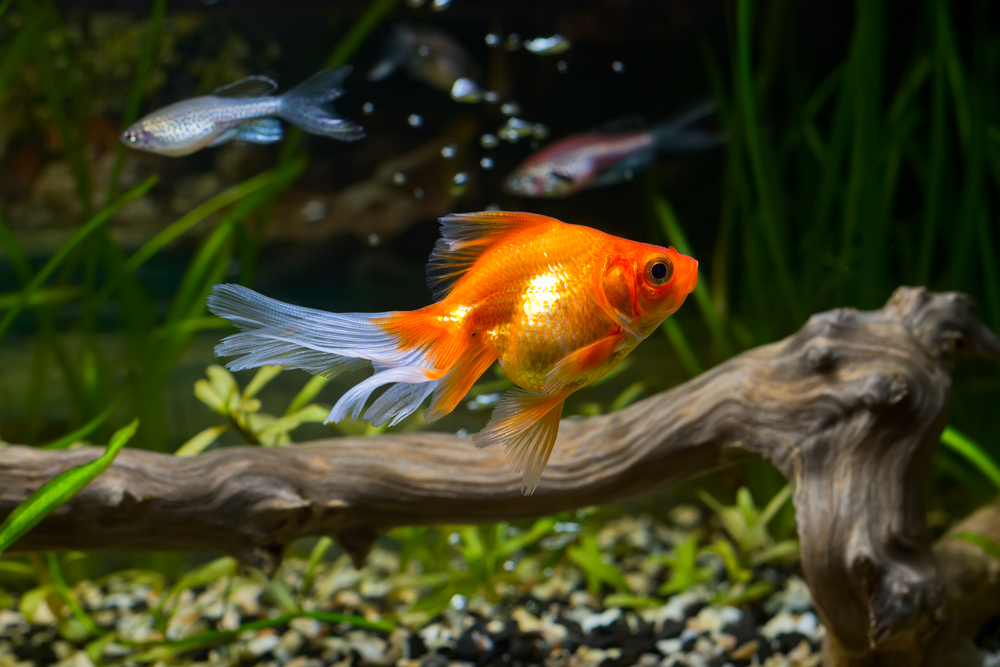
(466, 236)
(251, 86)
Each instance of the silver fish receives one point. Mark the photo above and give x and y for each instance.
(244, 110)
(431, 56)
(598, 158)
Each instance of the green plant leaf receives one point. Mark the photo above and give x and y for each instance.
(588, 557)
(260, 379)
(200, 442)
(961, 444)
(775, 504)
(981, 541)
(775, 552)
(89, 427)
(307, 393)
(311, 414)
(59, 489)
(59, 584)
(60, 255)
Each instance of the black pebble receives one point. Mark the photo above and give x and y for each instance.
(524, 650)
(789, 640)
(415, 646)
(465, 648)
(670, 629)
(744, 629)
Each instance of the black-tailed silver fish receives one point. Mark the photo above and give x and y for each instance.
(430, 56)
(598, 158)
(244, 110)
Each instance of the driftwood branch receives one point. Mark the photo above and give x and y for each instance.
(850, 409)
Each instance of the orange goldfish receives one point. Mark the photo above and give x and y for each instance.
(558, 305)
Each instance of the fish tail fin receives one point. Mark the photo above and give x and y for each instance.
(473, 362)
(526, 424)
(413, 349)
(303, 106)
(676, 135)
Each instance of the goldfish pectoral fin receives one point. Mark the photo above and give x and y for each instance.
(464, 239)
(582, 361)
(251, 86)
(260, 131)
(526, 424)
(475, 361)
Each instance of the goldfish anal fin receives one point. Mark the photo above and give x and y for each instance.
(251, 86)
(475, 361)
(526, 424)
(582, 361)
(464, 239)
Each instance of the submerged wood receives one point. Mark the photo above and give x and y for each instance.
(850, 409)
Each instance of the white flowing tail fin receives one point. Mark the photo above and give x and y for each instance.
(408, 348)
(306, 106)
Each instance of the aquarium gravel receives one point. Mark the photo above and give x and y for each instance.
(549, 618)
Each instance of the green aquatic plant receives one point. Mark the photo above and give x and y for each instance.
(58, 490)
(747, 527)
(242, 410)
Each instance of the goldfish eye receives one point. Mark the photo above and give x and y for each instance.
(659, 270)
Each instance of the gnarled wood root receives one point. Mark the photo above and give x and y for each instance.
(850, 409)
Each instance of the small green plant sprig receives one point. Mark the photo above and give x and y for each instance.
(242, 409)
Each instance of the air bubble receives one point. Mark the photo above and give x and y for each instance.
(513, 42)
(491, 96)
(459, 184)
(618, 66)
(465, 90)
(368, 108)
(415, 120)
(486, 163)
(489, 141)
(418, 193)
(449, 151)
(440, 5)
(541, 131)
(562, 66)
(547, 45)
(492, 39)
(374, 239)
(510, 109)
(399, 178)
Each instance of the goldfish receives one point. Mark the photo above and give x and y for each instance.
(599, 158)
(558, 305)
(431, 56)
(245, 110)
